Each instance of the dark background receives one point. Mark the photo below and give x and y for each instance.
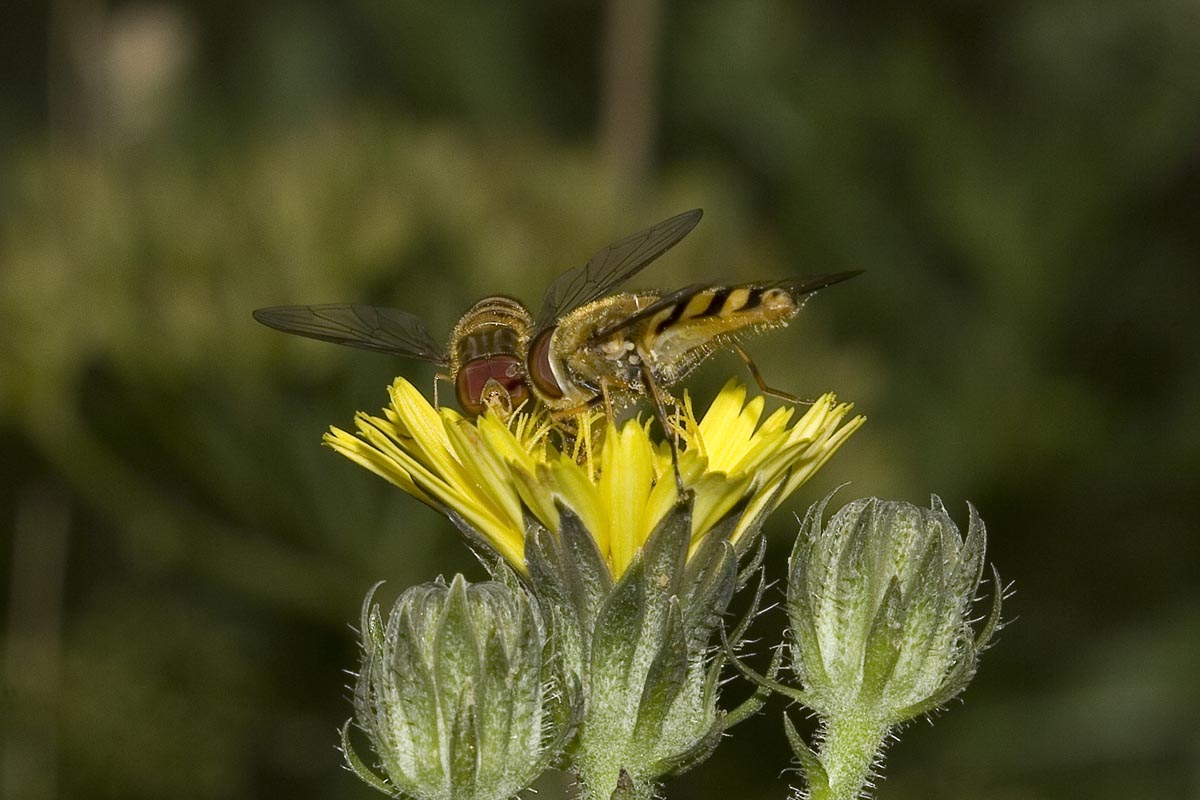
(181, 560)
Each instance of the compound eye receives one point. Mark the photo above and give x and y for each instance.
(540, 370)
(518, 393)
(489, 381)
(470, 402)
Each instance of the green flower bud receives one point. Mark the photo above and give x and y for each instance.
(457, 695)
(880, 602)
(641, 646)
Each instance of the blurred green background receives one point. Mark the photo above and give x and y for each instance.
(181, 560)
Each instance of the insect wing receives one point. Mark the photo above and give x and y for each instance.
(385, 330)
(612, 266)
(798, 287)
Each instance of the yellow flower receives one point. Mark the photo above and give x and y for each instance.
(493, 474)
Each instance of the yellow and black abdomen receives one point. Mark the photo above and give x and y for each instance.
(678, 337)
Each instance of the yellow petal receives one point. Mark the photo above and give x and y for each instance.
(626, 478)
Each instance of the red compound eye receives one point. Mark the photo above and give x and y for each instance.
(496, 375)
(539, 366)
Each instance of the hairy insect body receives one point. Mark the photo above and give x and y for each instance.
(620, 343)
(487, 355)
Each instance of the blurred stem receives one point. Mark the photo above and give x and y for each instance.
(628, 96)
(33, 646)
(850, 747)
(74, 74)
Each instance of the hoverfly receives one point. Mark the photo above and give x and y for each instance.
(486, 357)
(584, 346)
(638, 343)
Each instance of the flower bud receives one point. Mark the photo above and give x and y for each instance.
(880, 602)
(456, 695)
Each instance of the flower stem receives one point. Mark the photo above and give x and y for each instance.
(850, 747)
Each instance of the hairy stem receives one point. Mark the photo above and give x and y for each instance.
(850, 747)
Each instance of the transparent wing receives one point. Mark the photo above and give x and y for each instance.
(612, 266)
(798, 287)
(385, 330)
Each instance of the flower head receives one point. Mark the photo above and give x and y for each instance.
(491, 475)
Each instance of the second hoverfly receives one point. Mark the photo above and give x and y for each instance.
(486, 356)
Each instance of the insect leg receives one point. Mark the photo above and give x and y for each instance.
(566, 413)
(762, 384)
(439, 377)
(660, 411)
(608, 406)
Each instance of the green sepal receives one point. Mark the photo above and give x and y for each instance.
(464, 746)
(752, 567)
(709, 588)
(738, 633)
(813, 770)
(664, 555)
(754, 703)
(586, 571)
(852, 573)
(992, 624)
(456, 650)
(476, 542)
(569, 574)
(566, 726)
(417, 697)
(808, 661)
(799, 695)
(617, 632)
(950, 687)
(972, 552)
(665, 679)
(359, 767)
(883, 645)
(696, 754)
(498, 717)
